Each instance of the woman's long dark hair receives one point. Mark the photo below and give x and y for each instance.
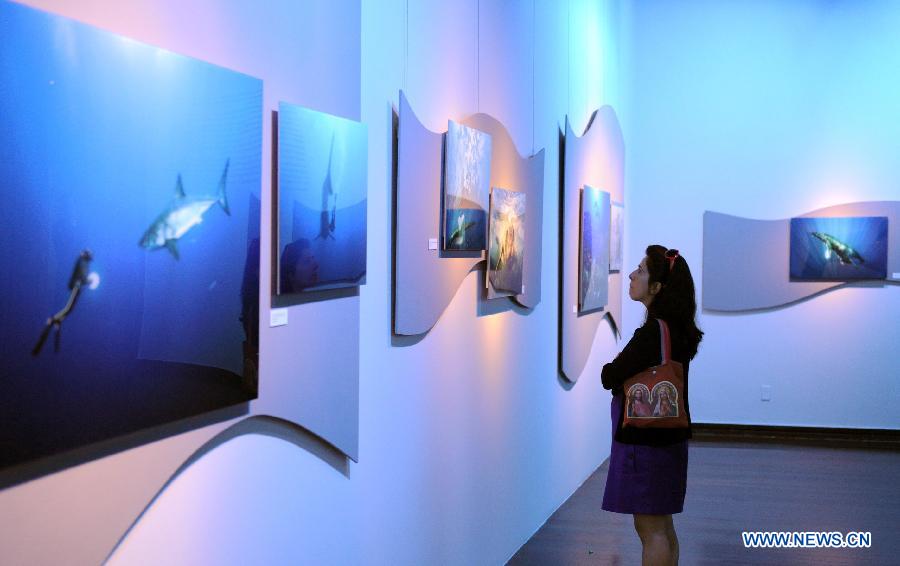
(676, 302)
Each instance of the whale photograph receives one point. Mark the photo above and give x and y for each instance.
(839, 249)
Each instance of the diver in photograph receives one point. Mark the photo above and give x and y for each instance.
(328, 218)
(81, 277)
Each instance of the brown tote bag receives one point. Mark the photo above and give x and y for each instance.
(654, 398)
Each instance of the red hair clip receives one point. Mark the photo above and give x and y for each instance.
(671, 255)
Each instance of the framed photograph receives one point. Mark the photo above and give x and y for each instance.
(131, 182)
(322, 200)
(593, 268)
(839, 249)
(467, 177)
(506, 252)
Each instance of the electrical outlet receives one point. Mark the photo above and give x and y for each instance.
(765, 393)
(432, 243)
(896, 276)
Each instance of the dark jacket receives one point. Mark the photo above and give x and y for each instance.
(642, 352)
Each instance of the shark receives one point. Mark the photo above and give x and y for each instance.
(846, 254)
(182, 214)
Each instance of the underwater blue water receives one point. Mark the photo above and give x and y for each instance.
(866, 235)
(322, 197)
(96, 129)
(474, 237)
(593, 281)
(509, 275)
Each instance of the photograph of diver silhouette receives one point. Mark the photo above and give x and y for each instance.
(593, 250)
(322, 201)
(81, 278)
(143, 167)
(839, 249)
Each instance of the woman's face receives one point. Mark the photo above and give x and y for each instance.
(306, 270)
(639, 290)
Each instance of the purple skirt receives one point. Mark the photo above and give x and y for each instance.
(648, 480)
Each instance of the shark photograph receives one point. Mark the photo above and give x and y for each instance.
(182, 214)
(838, 249)
(108, 142)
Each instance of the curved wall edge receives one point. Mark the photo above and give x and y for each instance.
(425, 281)
(596, 158)
(764, 283)
(265, 425)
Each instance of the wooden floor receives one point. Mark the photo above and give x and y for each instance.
(734, 487)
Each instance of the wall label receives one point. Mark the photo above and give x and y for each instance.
(278, 317)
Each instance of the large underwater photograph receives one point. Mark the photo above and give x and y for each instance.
(467, 178)
(131, 180)
(322, 200)
(506, 249)
(593, 268)
(839, 249)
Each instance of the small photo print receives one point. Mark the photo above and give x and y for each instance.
(839, 249)
(638, 405)
(664, 398)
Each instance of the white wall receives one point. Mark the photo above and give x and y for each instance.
(769, 109)
(468, 439)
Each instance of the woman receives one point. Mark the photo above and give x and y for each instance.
(648, 467)
(299, 268)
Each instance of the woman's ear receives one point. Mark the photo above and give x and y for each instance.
(654, 287)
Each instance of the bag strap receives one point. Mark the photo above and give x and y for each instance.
(665, 344)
